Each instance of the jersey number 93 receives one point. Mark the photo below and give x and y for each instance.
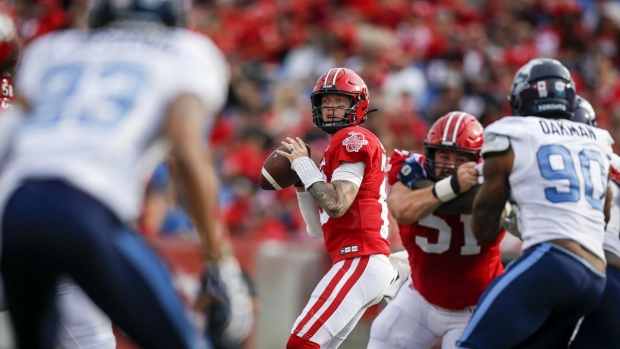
(101, 97)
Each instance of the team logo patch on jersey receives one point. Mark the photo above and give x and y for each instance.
(348, 249)
(355, 142)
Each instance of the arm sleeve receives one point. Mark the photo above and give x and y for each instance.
(350, 171)
(310, 212)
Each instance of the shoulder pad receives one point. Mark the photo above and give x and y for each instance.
(495, 144)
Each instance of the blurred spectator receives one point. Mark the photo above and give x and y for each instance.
(162, 214)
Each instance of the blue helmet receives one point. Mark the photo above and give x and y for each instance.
(170, 13)
(583, 112)
(543, 87)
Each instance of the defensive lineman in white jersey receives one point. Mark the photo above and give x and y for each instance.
(81, 324)
(556, 171)
(542, 218)
(99, 111)
(99, 103)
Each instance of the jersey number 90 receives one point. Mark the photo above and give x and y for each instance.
(556, 163)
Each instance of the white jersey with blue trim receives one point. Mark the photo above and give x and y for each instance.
(559, 178)
(98, 102)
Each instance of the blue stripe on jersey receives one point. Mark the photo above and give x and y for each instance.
(511, 274)
(148, 265)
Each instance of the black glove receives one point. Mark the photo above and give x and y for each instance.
(218, 309)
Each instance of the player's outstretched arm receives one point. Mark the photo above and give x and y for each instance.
(492, 196)
(185, 130)
(408, 206)
(462, 204)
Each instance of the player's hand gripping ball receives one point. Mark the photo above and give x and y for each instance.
(277, 173)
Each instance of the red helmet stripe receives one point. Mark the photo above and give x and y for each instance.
(456, 128)
(445, 130)
(334, 78)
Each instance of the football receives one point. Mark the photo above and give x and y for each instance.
(277, 173)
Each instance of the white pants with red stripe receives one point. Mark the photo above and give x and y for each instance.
(341, 297)
(411, 322)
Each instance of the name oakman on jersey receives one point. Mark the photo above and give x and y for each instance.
(560, 128)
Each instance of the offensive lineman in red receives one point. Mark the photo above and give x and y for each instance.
(431, 198)
(349, 190)
(9, 53)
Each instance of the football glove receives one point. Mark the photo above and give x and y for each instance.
(218, 308)
(411, 172)
(510, 219)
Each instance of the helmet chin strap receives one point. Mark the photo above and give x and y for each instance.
(329, 127)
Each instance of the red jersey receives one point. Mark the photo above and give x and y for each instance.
(448, 266)
(363, 229)
(6, 91)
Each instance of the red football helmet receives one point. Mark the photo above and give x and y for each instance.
(456, 131)
(9, 44)
(343, 81)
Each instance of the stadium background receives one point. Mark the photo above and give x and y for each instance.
(420, 60)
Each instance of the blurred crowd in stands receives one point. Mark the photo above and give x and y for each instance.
(421, 59)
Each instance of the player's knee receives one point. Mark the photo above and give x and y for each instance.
(295, 342)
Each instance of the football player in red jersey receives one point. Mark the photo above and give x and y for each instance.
(343, 202)
(431, 198)
(10, 48)
(9, 52)
(6, 94)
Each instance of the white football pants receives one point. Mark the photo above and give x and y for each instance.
(410, 322)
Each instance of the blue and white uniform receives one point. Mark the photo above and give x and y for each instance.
(98, 105)
(558, 181)
(76, 173)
